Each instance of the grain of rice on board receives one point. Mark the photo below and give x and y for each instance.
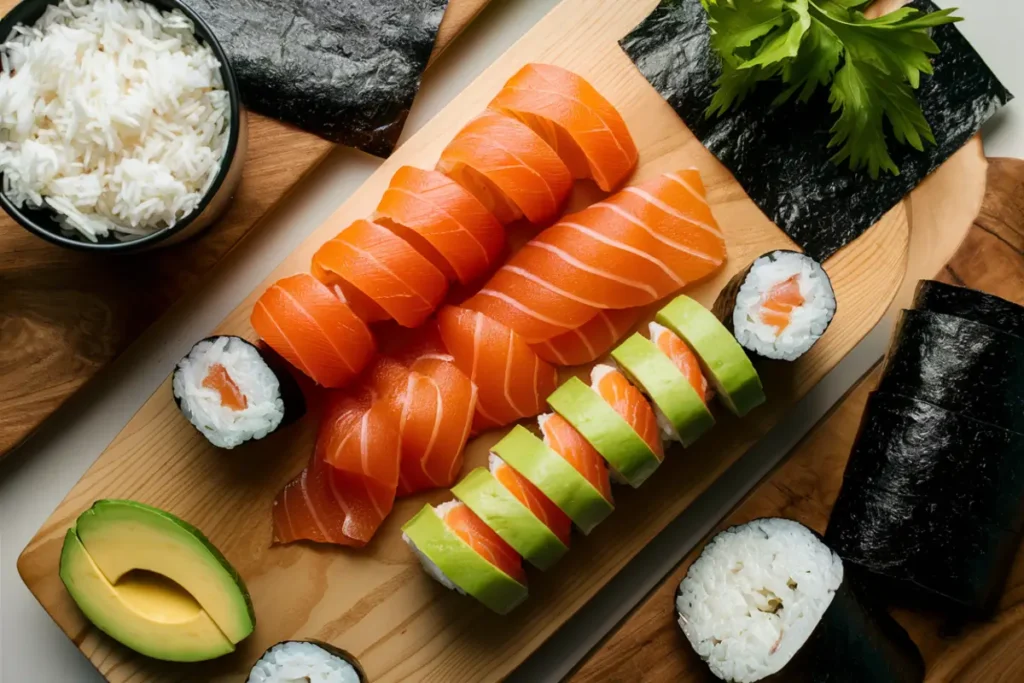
(113, 115)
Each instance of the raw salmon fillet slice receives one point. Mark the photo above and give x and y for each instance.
(586, 131)
(455, 231)
(218, 379)
(590, 341)
(311, 328)
(682, 356)
(511, 379)
(626, 399)
(484, 541)
(510, 169)
(369, 260)
(563, 439)
(533, 498)
(778, 303)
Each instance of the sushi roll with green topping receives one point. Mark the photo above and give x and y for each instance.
(301, 660)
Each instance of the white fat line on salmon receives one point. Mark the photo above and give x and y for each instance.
(479, 317)
(494, 141)
(441, 209)
(390, 272)
(586, 342)
(608, 324)
(625, 247)
(406, 405)
(573, 261)
(302, 365)
(438, 418)
(315, 323)
(443, 357)
(647, 196)
(522, 308)
(619, 211)
(304, 486)
(554, 352)
(527, 275)
(284, 510)
(457, 462)
(508, 373)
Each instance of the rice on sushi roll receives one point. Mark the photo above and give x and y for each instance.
(306, 660)
(779, 306)
(769, 601)
(231, 392)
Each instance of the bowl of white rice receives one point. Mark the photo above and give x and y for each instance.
(121, 127)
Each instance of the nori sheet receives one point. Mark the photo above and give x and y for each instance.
(928, 454)
(922, 550)
(780, 155)
(939, 297)
(960, 365)
(346, 70)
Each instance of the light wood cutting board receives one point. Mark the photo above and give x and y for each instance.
(376, 602)
(64, 315)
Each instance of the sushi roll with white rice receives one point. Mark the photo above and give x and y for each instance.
(315, 662)
(230, 392)
(768, 600)
(779, 306)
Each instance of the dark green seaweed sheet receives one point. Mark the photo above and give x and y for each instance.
(925, 453)
(780, 157)
(346, 70)
(951, 562)
(960, 365)
(938, 297)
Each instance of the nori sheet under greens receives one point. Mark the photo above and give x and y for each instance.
(780, 156)
(939, 297)
(960, 365)
(346, 70)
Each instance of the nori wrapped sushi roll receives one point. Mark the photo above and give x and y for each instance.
(970, 304)
(960, 365)
(231, 391)
(769, 601)
(306, 660)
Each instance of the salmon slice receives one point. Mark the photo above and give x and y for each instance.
(626, 399)
(512, 381)
(778, 303)
(590, 341)
(218, 379)
(442, 220)
(509, 168)
(533, 498)
(370, 259)
(562, 438)
(483, 540)
(313, 330)
(682, 356)
(586, 131)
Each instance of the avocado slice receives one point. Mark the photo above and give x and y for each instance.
(510, 519)
(150, 561)
(626, 452)
(721, 357)
(555, 477)
(660, 379)
(470, 573)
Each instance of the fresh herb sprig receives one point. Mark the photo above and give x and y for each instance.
(871, 66)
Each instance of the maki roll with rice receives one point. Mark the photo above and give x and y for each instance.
(233, 392)
(769, 601)
(301, 660)
(779, 306)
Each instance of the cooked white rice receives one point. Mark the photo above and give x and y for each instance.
(223, 426)
(113, 115)
(755, 594)
(807, 322)
(294, 661)
(428, 565)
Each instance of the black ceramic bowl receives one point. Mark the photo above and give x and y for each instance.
(43, 223)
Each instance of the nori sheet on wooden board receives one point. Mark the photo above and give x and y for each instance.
(988, 309)
(960, 365)
(925, 453)
(346, 70)
(952, 562)
(780, 156)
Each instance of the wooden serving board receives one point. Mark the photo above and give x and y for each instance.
(649, 647)
(376, 602)
(64, 314)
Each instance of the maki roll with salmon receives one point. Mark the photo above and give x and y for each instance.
(306, 660)
(769, 601)
(779, 306)
(233, 392)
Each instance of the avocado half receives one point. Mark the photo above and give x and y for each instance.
(510, 519)
(555, 477)
(154, 583)
(721, 357)
(660, 379)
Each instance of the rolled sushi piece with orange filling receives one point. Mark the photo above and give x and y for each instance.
(459, 551)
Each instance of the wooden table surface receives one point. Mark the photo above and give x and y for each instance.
(648, 646)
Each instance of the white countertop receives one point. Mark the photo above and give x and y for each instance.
(35, 478)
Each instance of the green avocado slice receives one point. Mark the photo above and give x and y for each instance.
(660, 379)
(510, 519)
(722, 358)
(617, 442)
(555, 477)
(471, 573)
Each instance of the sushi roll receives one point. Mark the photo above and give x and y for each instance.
(769, 601)
(232, 392)
(306, 660)
(779, 306)
(458, 550)
(970, 304)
